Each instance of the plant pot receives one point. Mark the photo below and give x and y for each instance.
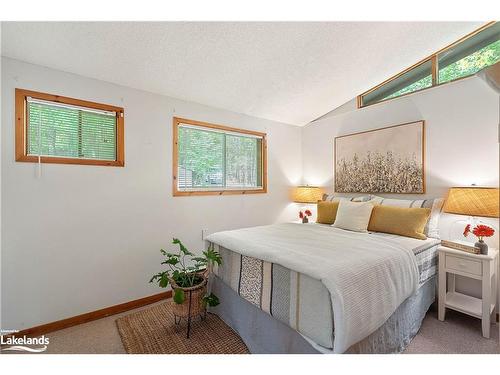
(193, 303)
(483, 247)
(305, 220)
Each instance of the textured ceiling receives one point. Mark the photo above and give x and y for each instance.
(287, 72)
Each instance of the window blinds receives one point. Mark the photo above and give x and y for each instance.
(216, 159)
(60, 130)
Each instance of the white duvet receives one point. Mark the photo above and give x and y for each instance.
(368, 276)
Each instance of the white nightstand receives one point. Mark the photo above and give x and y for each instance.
(480, 267)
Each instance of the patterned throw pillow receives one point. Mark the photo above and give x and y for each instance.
(436, 204)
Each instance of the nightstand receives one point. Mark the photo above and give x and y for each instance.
(479, 267)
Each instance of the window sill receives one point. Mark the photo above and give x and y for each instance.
(59, 160)
(186, 193)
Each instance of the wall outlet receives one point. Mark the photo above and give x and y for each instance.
(204, 234)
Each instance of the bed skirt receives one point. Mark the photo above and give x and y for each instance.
(264, 334)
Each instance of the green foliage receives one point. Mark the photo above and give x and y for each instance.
(179, 296)
(419, 85)
(242, 155)
(464, 67)
(182, 248)
(184, 268)
(472, 63)
(210, 159)
(201, 153)
(211, 300)
(70, 132)
(213, 256)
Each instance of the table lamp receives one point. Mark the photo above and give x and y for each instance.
(307, 194)
(472, 201)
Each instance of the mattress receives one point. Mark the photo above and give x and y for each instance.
(298, 300)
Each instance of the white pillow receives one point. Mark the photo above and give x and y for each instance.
(353, 216)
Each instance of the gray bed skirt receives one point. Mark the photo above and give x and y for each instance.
(264, 334)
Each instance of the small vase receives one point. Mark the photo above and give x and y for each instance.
(305, 220)
(483, 247)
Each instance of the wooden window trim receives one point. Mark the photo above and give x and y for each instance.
(175, 159)
(21, 121)
(434, 61)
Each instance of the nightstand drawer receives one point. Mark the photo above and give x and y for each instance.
(473, 267)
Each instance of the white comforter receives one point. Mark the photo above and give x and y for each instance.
(367, 276)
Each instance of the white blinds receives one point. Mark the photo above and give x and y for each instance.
(59, 130)
(209, 159)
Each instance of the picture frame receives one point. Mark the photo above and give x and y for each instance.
(384, 160)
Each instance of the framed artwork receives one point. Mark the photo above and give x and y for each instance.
(385, 160)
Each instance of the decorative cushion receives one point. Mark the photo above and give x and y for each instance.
(353, 216)
(436, 204)
(408, 222)
(327, 212)
(335, 197)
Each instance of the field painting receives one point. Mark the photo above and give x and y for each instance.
(386, 160)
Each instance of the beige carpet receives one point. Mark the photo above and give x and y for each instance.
(152, 331)
(458, 334)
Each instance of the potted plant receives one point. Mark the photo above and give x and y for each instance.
(188, 276)
(480, 231)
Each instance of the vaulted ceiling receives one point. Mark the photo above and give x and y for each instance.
(282, 71)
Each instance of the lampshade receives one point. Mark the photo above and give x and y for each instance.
(307, 194)
(472, 201)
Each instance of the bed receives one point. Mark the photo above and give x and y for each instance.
(311, 288)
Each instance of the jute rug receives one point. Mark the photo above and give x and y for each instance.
(152, 331)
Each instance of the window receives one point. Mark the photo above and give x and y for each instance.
(55, 129)
(470, 56)
(416, 79)
(214, 159)
(461, 59)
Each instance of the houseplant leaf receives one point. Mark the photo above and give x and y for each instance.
(211, 300)
(163, 283)
(187, 270)
(179, 296)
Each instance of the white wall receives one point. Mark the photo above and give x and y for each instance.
(81, 238)
(0, 182)
(461, 121)
(112, 221)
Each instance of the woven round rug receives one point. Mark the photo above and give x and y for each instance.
(153, 331)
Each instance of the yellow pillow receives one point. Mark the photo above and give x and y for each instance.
(327, 212)
(408, 222)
